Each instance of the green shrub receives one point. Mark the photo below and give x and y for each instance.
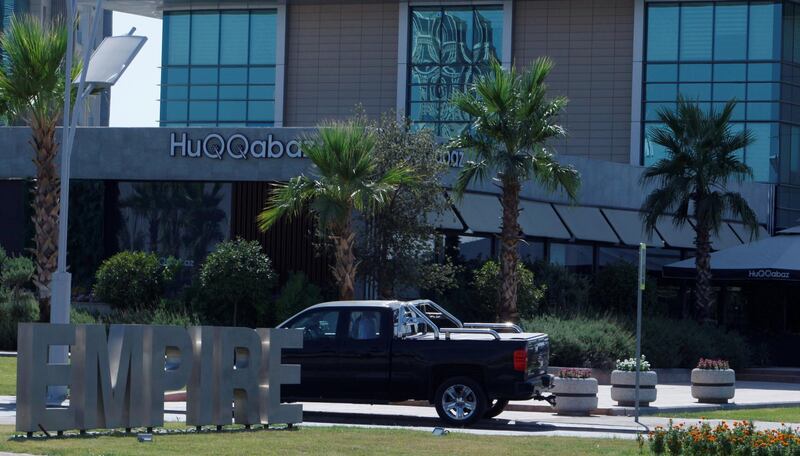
(297, 294)
(487, 282)
(130, 280)
(81, 317)
(166, 312)
(23, 309)
(616, 287)
(236, 282)
(566, 293)
(583, 342)
(681, 343)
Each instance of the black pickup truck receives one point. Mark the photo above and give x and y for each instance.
(391, 351)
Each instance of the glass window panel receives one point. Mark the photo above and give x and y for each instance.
(574, 257)
(652, 151)
(176, 92)
(263, 37)
(763, 72)
(203, 111)
(233, 92)
(530, 252)
(232, 110)
(763, 91)
(176, 29)
(475, 248)
(696, 27)
(173, 110)
(426, 35)
(234, 26)
(697, 92)
(175, 76)
(204, 75)
(661, 92)
(662, 32)
(425, 74)
(457, 37)
(764, 31)
(425, 93)
(695, 72)
(607, 256)
(261, 110)
(737, 128)
(788, 31)
(199, 92)
(425, 111)
(762, 111)
(652, 109)
(235, 75)
(738, 110)
(796, 34)
(262, 92)
(662, 72)
(762, 154)
(262, 75)
(488, 41)
(734, 72)
(728, 91)
(794, 166)
(450, 130)
(205, 38)
(730, 31)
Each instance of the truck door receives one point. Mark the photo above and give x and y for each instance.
(319, 357)
(365, 355)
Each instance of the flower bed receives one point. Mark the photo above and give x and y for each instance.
(740, 439)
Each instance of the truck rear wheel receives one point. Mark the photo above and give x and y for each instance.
(495, 408)
(460, 401)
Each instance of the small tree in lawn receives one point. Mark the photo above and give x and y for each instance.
(692, 180)
(513, 122)
(345, 178)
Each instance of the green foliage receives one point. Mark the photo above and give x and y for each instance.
(16, 273)
(565, 293)
(81, 317)
(23, 309)
(437, 279)
(297, 294)
(487, 289)
(629, 365)
(397, 237)
(236, 282)
(680, 343)
(616, 287)
(130, 280)
(583, 342)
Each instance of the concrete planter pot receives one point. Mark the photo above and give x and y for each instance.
(623, 388)
(713, 386)
(575, 396)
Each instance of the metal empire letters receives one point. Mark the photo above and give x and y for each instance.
(118, 379)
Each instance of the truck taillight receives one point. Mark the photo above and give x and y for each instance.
(521, 360)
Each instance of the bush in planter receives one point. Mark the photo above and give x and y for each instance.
(296, 295)
(673, 343)
(623, 382)
(713, 381)
(584, 342)
(235, 285)
(131, 279)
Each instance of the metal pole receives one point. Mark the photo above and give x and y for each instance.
(640, 289)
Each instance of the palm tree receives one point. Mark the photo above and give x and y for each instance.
(346, 179)
(513, 122)
(692, 180)
(32, 82)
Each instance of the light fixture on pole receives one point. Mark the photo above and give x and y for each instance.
(101, 69)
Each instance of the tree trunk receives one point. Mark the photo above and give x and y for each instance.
(46, 196)
(705, 298)
(344, 268)
(509, 238)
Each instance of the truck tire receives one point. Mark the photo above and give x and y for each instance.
(460, 401)
(495, 408)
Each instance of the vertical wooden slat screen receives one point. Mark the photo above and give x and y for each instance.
(289, 244)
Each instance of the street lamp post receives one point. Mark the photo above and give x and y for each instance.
(101, 70)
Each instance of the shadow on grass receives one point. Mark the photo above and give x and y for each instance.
(233, 429)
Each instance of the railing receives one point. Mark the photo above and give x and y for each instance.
(501, 326)
(448, 331)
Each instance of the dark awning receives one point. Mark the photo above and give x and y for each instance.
(775, 258)
(681, 237)
(629, 227)
(587, 224)
(540, 220)
(481, 213)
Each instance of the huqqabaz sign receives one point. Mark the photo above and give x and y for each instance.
(117, 379)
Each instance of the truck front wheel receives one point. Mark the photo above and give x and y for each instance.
(460, 401)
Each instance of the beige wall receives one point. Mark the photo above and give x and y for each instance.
(591, 42)
(339, 55)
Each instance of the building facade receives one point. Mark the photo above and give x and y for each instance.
(241, 81)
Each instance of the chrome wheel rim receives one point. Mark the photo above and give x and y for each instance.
(459, 402)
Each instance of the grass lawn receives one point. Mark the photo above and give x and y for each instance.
(313, 440)
(777, 415)
(8, 376)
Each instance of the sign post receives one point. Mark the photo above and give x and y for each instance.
(640, 289)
